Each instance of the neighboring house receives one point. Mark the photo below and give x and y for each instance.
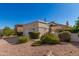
(38, 26)
(19, 29)
(55, 26)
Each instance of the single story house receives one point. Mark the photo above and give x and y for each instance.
(55, 26)
(39, 26)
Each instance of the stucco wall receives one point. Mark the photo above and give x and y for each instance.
(35, 26)
(30, 27)
(43, 28)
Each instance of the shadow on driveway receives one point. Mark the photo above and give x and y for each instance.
(12, 40)
(76, 44)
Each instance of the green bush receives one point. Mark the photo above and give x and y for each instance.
(8, 31)
(34, 35)
(78, 34)
(75, 31)
(49, 38)
(1, 34)
(70, 30)
(36, 43)
(65, 36)
(19, 33)
(23, 39)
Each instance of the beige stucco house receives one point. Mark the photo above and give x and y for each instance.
(38, 26)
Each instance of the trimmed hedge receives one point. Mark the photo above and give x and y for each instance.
(34, 35)
(65, 36)
(23, 39)
(49, 38)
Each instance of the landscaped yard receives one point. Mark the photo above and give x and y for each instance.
(26, 49)
(49, 44)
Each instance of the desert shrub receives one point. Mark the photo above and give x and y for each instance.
(19, 33)
(49, 38)
(65, 36)
(1, 34)
(8, 31)
(72, 30)
(23, 39)
(36, 43)
(58, 30)
(34, 35)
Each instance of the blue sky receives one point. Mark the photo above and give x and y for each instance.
(11, 14)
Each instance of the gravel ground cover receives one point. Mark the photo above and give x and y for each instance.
(25, 49)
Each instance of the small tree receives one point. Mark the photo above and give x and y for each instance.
(7, 31)
(76, 26)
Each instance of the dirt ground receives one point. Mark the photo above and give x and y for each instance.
(25, 49)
